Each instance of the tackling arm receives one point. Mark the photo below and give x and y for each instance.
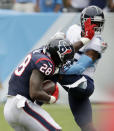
(85, 61)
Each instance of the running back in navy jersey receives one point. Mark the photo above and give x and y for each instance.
(19, 82)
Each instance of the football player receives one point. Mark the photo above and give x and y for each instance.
(77, 77)
(26, 85)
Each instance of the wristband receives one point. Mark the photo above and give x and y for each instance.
(52, 100)
(85, 40)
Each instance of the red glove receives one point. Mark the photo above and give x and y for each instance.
(55, 95)
(89, 29)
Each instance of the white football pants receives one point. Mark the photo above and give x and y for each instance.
(24, 115)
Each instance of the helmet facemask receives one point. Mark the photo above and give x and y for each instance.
(100, 24)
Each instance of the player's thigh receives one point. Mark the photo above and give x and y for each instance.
(36, 118)
(10, 110)
(31, 116)
(81, 109)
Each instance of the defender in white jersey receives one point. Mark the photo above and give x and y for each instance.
(97, 44)
(77, 77)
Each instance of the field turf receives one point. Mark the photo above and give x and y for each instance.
(103, 117)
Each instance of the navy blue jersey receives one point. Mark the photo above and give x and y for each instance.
(19, 82)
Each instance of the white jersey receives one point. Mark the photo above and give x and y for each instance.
(74, 34)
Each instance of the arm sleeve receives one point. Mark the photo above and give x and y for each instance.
(80, 66)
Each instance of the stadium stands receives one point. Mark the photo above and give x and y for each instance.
(6, 4)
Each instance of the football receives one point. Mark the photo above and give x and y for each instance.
(49, 86)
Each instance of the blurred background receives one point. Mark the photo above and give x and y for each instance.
(28, 24)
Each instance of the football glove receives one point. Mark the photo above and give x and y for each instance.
(89, 31)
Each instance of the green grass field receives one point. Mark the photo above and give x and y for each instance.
(102, 115)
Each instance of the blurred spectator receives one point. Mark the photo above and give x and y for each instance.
(75, 5)
(66, 3)
(50, 5)
(100, 3)
(6, 4)
(110, 5)
(25, 5)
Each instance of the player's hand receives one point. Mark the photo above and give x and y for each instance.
(58, 35)
(88, 32)
(89, 29)
(55, 95)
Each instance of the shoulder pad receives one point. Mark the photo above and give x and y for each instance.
(43, 64)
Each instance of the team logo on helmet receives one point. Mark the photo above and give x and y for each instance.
(63, 49)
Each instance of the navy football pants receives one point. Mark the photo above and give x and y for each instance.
(79, 99)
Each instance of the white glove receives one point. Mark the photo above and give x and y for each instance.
(58, 35)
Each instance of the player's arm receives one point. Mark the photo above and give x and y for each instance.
(36, 89)
(94, 55)
(85, 61)
(78, 67)
(36, 82)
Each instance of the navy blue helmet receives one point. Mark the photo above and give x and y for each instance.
(60, 50)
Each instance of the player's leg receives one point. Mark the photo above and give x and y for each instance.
(80, 104)
(82, 112)
(39, 118)
(11, 114)
(20, 112)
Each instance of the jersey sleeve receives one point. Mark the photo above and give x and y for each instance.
(43, 64)
(78, 67)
